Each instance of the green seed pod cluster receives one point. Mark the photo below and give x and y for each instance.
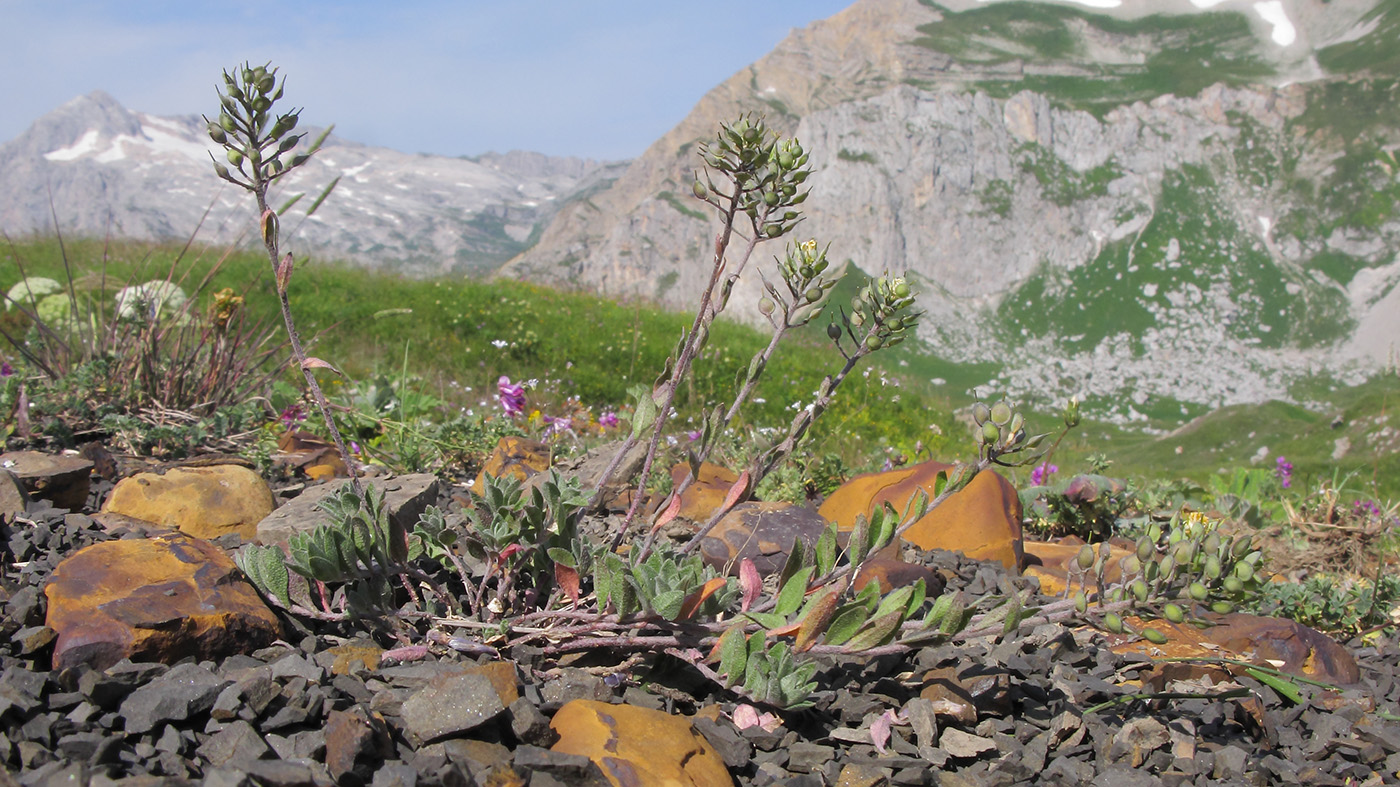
(765, 170)
(802, 270)
(1177, 568)
(1002, 430)
(882, 311)
(255, 142)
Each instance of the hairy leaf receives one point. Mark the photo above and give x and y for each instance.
(792, 592)
(816, 620)
(846, 622)
(750, 582)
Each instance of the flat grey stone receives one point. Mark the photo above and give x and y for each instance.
(449, 706)
(405, 497)
(185, 691)
(235, 743)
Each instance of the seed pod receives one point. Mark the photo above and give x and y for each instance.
(773, 230)
(1198, 591)
(1244, 572)
(1154, 636)
(235, 158)
(990, 432)
(1144, 549)
(1212, 567)
(765, 306)
(1081, 602)
(874, 342)
(1174, 613)
(1222, 607)
(1001, 413)
(1085, 558)
(216, 133)
(1131, 564)
(980, 413)
(227, 123)
(1139, 590)
(1212, 543)
(901, 289)
(699, 190)
(1151, 570)
(1241, 546)
(813, 294)
(1232, 584)
(833, 331)
(1113, 623)
(1154, 532)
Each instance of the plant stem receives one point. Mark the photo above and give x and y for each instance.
(270, 243)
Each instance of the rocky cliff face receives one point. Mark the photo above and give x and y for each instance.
(137, 175)
(1071, 222)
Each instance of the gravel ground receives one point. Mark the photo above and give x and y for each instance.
(291, 714)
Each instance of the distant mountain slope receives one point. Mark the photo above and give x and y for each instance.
(1146, 208)
(145, 176)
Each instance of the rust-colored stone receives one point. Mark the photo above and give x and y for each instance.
(706, 493)
(983, 520)
(1050, 561)
(638, 746)
(761, 532)
(1280, 643)
(357, 740)
(502, 677)
(950, 698)
(62, 479)
(158, 599)
(514, 456)
(891, 573)
(316, 456)
(204, 502)
(346, 656)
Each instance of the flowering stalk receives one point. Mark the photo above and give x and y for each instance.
(763, 174)
(256, 149)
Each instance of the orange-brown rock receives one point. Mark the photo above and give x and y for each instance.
(62, 479)
(1050, 561)
(1274, 642)
(316, 456)
(158, 599)
(983, 520)
(635, 746)
(204, 502)
(350, 657)
(517, 457)
(706, 493)
(892, 572)
(761, 532)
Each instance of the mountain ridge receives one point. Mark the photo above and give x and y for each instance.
(149, 177)
(944, 162)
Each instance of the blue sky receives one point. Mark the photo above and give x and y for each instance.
(597, 79)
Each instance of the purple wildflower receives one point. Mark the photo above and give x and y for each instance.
(292, 416)
(608, 420)
(511, 397)
(1041, 472)
(1284, 470)
(694, 435)
(5, 369)
(558, 425)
